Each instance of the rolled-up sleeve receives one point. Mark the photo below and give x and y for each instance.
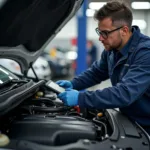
(131, 88)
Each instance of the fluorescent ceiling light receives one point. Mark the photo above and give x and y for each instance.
(96, 5)
(141, 23)
(90, 12)
(140, 5)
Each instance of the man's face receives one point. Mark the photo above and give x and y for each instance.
(114, 39)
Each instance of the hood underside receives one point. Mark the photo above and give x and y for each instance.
(27, 26)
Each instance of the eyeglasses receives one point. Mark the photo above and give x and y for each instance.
(105, 34)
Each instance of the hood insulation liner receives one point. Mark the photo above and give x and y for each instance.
(31, 22)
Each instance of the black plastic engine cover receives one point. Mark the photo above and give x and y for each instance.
(52, 130)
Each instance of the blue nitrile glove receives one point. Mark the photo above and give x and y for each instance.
(69, 97)
(65, 84)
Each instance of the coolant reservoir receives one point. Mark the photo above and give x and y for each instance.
(4, 140)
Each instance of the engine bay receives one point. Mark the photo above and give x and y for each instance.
(44, 119)
(34, 118)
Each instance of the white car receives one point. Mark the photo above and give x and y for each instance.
(40, 66)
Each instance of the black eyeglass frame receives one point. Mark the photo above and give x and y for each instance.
(105, 34)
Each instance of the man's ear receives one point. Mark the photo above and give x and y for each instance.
(124, 30)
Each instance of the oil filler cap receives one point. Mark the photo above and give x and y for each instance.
(99, 114)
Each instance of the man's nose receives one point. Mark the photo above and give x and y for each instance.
(101, 38)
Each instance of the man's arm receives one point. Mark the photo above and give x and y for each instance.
(132, 86)
(97, 73)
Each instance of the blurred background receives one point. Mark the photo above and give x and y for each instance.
(76, 46)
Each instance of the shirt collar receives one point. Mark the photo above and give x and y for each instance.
(133, 41)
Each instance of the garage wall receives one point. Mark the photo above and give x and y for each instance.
(70, 29)
(63, 39)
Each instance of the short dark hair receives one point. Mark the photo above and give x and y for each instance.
(118, 11)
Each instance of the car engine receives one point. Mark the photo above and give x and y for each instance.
(34, 118)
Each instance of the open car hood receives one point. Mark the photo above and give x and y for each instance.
(27, 26)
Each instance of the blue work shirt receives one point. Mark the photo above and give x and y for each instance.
(130, 78)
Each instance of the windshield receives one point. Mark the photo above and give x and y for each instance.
(5, 75)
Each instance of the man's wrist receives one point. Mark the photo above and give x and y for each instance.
(72, 84)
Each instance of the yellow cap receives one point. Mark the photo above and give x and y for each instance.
(39, 94)
(4, 140)
(100, 114)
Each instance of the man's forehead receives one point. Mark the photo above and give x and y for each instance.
(105, 24)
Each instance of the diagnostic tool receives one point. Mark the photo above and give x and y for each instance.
(54, 87)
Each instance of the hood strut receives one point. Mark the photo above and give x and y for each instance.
(36, 77)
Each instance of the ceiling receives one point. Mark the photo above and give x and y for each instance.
(126, 1)
(129, 1)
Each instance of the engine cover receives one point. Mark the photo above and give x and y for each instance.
(52, 130)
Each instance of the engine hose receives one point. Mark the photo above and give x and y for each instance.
(42, 100)
(50, 109)
(101, 123)
(49, 101)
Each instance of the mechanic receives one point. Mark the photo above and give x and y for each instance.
(91, 52)
(125, 60)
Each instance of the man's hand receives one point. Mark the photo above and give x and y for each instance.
(69, 97)
(65, 84)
